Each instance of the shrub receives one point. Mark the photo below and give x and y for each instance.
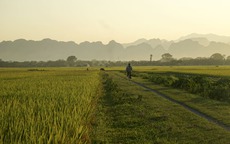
(197, 84)
(221, 90)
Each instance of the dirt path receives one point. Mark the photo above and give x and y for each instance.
(203, 115)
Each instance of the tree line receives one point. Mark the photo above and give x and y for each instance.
(166, 60)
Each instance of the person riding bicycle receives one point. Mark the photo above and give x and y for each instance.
(129, 70)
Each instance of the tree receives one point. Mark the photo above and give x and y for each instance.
(217, 59)
(217, 56)
(71, 60)
(228, 58)
(167, 57)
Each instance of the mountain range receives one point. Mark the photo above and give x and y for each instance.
(193, 45)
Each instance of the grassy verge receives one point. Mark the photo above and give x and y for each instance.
(216, 109)
(128, 113)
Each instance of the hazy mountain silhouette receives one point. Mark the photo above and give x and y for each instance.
(137, 42)
(202, 41)
(194, 45)
(114, 51)
(210, 37)
(218, 47)
(141, 51)
(187, 48)
(87, 50)
(156, 42)
(47, 49)
(152, 42)
(191, 48)
(99, 51)
(158, 51)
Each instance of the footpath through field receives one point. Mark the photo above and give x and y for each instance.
(195, 111)
(131, 112)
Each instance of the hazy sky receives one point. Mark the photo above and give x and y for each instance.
(105, 20)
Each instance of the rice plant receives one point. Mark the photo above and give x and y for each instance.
(52, 106)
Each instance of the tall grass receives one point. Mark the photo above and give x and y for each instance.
(51, 106)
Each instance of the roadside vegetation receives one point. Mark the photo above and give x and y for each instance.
(205, 89)
(212, 87)
(129, 113)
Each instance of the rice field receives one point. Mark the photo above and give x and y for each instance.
(74, 105)
(47, 105)
(203, 70)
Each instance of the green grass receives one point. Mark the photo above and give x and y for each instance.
(217, 109)
(123, 118)
(48, 105)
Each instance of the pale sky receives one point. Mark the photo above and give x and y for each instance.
(105, 20)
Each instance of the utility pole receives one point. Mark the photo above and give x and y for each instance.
(151, 57)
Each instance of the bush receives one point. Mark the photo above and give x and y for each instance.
(197, 84)
(162, 80)
(221, 90)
